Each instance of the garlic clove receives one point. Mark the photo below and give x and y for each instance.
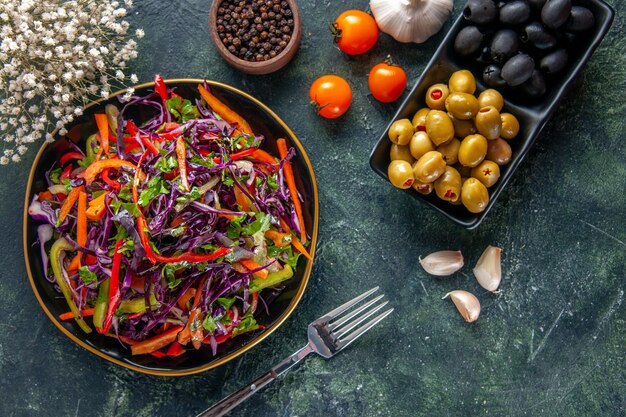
(488, 270)
(442, 263)
(467, 304)
(411, 20)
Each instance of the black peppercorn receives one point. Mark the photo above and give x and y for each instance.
(255, 30)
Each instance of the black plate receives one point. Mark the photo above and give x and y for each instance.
(532, 114)
(264, 122)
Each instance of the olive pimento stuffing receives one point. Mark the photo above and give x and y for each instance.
(255, 30)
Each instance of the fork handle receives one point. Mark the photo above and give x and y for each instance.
(236, 398)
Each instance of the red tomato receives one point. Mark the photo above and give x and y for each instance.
(331, 95)
(355, 32)
(386, 82)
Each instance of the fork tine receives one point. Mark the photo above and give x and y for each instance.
(340, 322)
(361, 330)
(338, 334)
(334, 313)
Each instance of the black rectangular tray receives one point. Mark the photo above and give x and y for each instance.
(532, 114)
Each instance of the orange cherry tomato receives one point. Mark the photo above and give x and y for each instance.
(355, 32)
(386, 81)
(331, 95)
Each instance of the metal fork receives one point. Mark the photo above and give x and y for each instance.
(328, 335)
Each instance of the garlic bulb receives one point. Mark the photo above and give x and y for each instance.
(411, 20)
(488, 271)
(442, 263)
(467, 304)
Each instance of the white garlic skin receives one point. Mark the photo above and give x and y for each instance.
(442, 263)
(488, 270)
(411, 20)
(467, 304)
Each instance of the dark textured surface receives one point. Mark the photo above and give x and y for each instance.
(552, 343)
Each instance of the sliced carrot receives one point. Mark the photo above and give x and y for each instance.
(186, 334)
(45, 195)
(261, 155)
(226, 216)
(157, 342)
(69, 315)
(300, 248)
(224, 111)
(103, 128)
(242, 200)
(81, 220)
(291, 184)
(97, 208)
(251, 265)
(184, 299)
(181, 154)
(68, 204)
(74, 265)
(280, 239)
(295, 242)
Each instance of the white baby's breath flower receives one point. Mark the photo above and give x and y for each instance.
(57, 54)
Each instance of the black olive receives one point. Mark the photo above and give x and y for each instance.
(468, 41)
(504, 45)
(538, 36)
(491, 76)
(535, 86)
(580, 19)
(480, 11)
(515, 12)
(554, 62)
(518, 69)
(537, 4)
(555, 13)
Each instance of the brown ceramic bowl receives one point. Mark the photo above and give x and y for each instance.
(264, 67)
(264, 121)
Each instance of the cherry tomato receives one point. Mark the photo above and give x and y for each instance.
(331, 95)
(355, 32)
(386, 81)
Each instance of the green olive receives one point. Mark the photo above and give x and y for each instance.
(450, 151)
(487, 172)
(499, 151)
(473, 150)
(462, 128)
(510, 126)
(491, 97)
(462, 82)
(429, 167)
(402, 153)
(448, 185)
(488, 122)
(420, 144)
(423, 187)
(439, 127)
(400, 174)
(474, 195)
(462, 106)
(400, 132)
(436, 96)
(419, 119)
